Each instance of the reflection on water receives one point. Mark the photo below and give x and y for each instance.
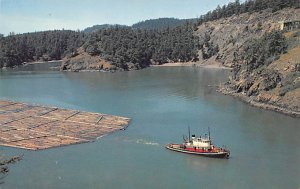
(162, 102)
(41, 66)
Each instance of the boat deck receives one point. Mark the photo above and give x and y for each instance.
(35, 127)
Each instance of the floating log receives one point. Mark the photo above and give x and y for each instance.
(36, 127)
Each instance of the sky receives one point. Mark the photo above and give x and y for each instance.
(21, 16)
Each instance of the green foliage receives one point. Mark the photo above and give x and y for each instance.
(124, 45)
(258, 54)
(264, 50)
(208, 49)
(249, 6)
(160, 23)
(95, 28)
(47, 45)
(152, 24)
(160, 40)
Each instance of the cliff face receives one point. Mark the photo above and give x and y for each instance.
(223, 40)
(269, 77)
(287, 91)
(276, 82)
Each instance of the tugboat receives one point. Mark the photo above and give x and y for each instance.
(199, 146)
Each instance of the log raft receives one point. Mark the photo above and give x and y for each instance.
(35, 127)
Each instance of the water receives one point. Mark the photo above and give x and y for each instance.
(162, 102)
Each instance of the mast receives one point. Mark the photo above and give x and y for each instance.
(189, 133)
(208, 133)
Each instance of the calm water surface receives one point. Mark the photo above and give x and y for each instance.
(162, 102)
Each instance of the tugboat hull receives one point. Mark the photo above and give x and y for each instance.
(216, 154)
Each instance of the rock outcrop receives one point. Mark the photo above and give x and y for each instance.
(82, 61)
(275, 84)
(272, 86)
(223, 40)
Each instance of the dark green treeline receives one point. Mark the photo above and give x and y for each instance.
(122, 45)
(38, 46)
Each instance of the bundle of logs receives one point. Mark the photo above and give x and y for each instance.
(35, 127)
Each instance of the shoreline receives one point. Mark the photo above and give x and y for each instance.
(192, 64)
(175, 64)
(222, 89)
(40, 62)
(257, 104)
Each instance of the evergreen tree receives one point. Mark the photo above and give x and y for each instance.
(47, 45)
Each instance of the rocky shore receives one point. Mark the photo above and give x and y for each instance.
(256, 103)
(263, 75)
(83, 62)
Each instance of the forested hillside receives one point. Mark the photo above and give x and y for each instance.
(160, 23)
(125, 46)
(95, 28)
(152, 24)
(149, 42)
(38, 46)
(249, 6)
